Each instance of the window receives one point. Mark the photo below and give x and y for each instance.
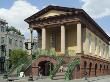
(21, 44)
(10, 41)
(16, 43)
(2, 39)
(2, 29)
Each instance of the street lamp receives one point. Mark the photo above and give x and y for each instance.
(31, 33)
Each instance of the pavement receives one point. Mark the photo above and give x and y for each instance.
(36, 79)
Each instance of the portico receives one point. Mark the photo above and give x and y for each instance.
(54, 37)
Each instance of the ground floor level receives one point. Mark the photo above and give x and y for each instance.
(89, 66)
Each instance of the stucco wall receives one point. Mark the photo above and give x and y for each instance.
(48, 43)
(95, 41)
(71, 38)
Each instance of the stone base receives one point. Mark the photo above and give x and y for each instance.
(89, 66)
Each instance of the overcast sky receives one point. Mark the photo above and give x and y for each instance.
(15, 11)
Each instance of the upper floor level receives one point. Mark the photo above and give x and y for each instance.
(69, 29)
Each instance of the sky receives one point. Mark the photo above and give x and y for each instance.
(15, 11)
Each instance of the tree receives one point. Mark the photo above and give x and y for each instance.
(18, 55)
(11, 28)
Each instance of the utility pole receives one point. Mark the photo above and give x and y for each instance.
(31, 32)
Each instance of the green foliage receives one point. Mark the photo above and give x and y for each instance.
(17, 55)
(70, 52)
(41, 52)
(70, 68)
(18, 58)
(57, 66)
(14, 29)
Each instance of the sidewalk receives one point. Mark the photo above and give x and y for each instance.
(92, 79)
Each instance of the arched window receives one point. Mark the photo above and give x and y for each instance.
(85, 66)
(100, 67)
(90, 67)
(95, 69)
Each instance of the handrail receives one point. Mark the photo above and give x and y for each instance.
(70, 68)
(56, 67)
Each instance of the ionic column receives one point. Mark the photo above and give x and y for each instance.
(62, 38)
(43, 38)
(79, 38)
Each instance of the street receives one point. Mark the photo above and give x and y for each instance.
(93, 79)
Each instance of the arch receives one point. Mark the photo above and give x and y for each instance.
(45, 67)
(100, 69)
(107, 69)
(85, 68)
(96, 69)
(76, 72)
(43, 59)
(85, 64)
(104, 70)
(90, 67)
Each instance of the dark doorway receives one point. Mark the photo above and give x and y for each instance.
(90, 67)
(45, 67)
(95, 69)
(85, 67)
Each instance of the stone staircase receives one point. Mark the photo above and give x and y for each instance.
(61, 75)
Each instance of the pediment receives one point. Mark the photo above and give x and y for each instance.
(52, 13)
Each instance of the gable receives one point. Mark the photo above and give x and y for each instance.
(53, 13)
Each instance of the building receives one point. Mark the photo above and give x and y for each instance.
(73, 34)
(9, 40)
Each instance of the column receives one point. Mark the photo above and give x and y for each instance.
(43, 38)
(62, 38)
(79, 38)
(109, 51)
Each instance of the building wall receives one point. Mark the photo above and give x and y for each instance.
(93, 45)
(48, 36)
(71, 39)
(17, 40)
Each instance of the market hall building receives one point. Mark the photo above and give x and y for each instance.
(73, 34)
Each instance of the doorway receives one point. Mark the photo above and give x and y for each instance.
(45, 67)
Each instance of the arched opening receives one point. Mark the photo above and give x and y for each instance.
(85, 68)
(96, 69)
(45, 67)
(107, 69)
(90, 67)
(76, 72)
(104, 70)
(100, 69)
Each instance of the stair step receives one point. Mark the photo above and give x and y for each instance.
(58, 77)
(60, 73)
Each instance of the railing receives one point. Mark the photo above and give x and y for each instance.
(56, 67)
(25, 65)
(19, 64)
(70, 68)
